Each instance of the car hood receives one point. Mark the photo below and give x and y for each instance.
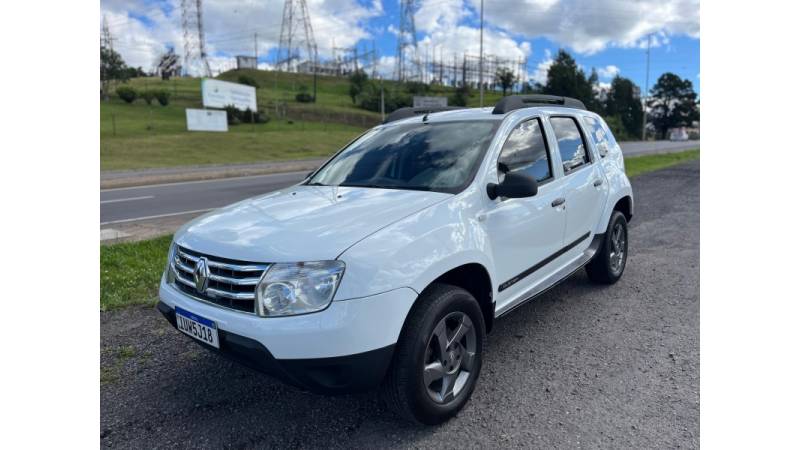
(300, 223)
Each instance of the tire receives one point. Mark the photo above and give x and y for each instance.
(607, 266)
(415, 384)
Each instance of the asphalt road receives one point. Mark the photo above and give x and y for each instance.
(147, 203)
(584, 366)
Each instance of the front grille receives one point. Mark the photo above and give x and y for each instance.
(231, 283)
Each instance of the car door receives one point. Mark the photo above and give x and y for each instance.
(584, 182)
(524, 232)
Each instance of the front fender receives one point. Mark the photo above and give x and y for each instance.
(416, 250)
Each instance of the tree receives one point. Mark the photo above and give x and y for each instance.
(460, 97)
(672, 103)
(565, 78)
(112, 68)
(358, 80)
(505, 78)
(623, 102)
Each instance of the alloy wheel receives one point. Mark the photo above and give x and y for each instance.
(449, 357)
(618, 246)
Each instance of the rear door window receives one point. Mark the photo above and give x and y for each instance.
(598, 135)
(571, 146)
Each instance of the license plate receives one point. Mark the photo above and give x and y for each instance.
(197, 327)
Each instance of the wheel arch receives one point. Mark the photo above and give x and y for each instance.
(475, 279)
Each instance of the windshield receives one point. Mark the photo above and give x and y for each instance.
(432, 157)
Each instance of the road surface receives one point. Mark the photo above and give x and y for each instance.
(187, 199)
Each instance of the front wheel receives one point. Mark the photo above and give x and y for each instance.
(438, 356)
(609, 262)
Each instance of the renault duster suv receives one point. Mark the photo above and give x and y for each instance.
(389, 264)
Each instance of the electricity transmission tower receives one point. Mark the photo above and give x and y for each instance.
(194, 41)
(106, 41)
(408, 66)
(296, 33)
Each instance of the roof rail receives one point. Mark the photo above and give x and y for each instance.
(406, 112)
(512, 102)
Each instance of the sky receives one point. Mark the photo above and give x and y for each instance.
(608, 35)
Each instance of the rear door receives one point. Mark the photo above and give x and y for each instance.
(584, 188)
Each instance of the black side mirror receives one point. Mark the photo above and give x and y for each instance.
(515, 185)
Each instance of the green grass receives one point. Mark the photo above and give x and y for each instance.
(130, 272)
(638, 165)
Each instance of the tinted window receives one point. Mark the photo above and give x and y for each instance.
(525, 150)
(570, 143)
(432, 157)
(598, 134)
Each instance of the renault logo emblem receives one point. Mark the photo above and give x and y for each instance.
(201, 275)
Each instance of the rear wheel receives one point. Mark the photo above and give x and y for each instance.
(438, 357)
(609, 262)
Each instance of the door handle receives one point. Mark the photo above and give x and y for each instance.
(598, 182)
(558, 202)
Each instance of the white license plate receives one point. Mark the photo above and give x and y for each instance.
(197, 327)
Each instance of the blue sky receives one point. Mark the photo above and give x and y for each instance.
(609, 35)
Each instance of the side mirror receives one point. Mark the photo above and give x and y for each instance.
(515, 185)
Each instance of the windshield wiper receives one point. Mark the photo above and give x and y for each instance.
(384, 186)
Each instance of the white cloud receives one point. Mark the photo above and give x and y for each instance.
(540, 74)
(230, 27)
(591, 26)
(609, 71)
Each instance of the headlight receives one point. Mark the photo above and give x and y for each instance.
(168, 270)
(298, 288)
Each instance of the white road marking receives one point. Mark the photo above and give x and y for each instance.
(158, 216)
(144, 197)
(210, 180)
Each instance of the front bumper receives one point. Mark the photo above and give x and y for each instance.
(347, 347)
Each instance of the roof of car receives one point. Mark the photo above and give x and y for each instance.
(505, 106)
(478, 114)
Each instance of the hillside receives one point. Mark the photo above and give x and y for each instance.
(138, 136)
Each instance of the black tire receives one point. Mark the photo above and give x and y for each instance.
(404, 389)
(604, 268)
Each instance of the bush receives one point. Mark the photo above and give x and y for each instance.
(236, 116)
(163, 97)
(370, 98)
(148, 96)
(127, 93)
(460, 97)
(303, 96)
(233, 115)
(244, 79)
(417, 88)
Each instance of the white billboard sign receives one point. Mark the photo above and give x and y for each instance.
(206, 120)
(429, 102)
(219, 94)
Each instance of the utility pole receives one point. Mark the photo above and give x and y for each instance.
(383, 109)
(646, 88)
(255, 47)
(480, 64)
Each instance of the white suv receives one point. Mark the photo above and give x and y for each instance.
(388, 265)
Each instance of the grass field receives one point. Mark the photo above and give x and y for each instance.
(130, 272)
(140, 136)
(642, 164)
